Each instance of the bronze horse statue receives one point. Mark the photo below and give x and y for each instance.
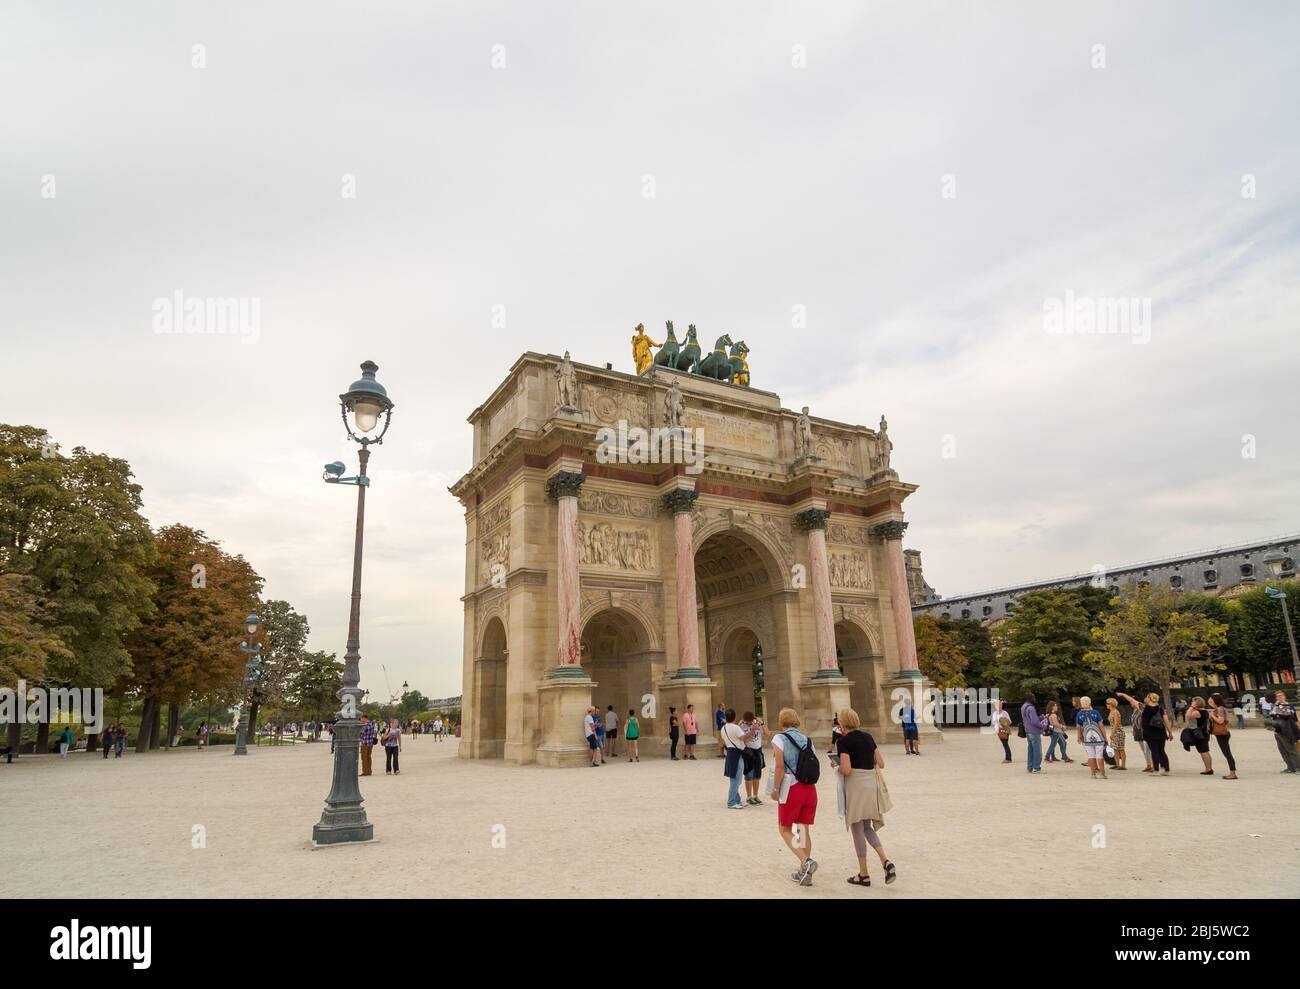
(689, 356)
(739, 364)
(717, 365)
(667, 356)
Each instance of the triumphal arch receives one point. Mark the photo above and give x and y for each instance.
(671, 537)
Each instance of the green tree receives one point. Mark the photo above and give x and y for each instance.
(316, 685)
(1257, 639)
(1042, 648)
(939, 653)
(27, 645)
(286, 639)
(412, 702)
(977, 643)
(1151, 637)
(72, 526)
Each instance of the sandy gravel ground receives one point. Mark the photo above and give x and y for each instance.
(964, 824)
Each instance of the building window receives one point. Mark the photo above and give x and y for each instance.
(1113, 590)
(1247, 570)
(965, 612)
(1211, 578)
(988, 610)
(1144, 583)
(947, 615)
(1176, 582)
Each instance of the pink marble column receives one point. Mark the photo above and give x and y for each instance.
(680, 503)
(564, 487)
(892, 534)
(813, 521)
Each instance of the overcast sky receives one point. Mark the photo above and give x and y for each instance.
(922, 178)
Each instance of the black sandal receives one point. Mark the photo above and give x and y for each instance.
(890, 873)
(859, 880)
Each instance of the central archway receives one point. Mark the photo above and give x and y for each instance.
(738, 580)
(617, 654)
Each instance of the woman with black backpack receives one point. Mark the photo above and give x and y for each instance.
(1155, 732)
(795, 771)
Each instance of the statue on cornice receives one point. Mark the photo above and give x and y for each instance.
(884, 446)
(804, 432)
(566, 385)
(674, 407)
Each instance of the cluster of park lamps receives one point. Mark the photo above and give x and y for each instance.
(1276, 564)
(344, 819)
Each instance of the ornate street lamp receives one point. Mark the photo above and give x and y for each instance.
(251, 672)
(1276, 564)
(344, 819)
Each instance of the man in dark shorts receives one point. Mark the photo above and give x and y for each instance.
(691, 729)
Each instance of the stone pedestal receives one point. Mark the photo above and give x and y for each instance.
(688, 687)
(564, 698)
(820, 696)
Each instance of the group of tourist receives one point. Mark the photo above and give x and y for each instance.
(391, 739)
(1103, 738)
(601, 732)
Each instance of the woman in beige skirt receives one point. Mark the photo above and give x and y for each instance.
(864, 797)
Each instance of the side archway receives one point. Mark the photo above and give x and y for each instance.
(490, 668)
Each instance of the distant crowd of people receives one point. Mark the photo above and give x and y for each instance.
(1103, 738)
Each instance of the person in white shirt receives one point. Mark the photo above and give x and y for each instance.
(734, 739)
(589, 729)
(754, 746)
(611, 732)
(437, 729)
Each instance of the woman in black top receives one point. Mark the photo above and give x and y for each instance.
(1155, 732)
(865, 798)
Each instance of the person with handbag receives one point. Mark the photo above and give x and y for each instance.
(1001, 721)
(1197, 733)
(733, 738)
(1116, 736)
(1282, 721)
(1219, 729)
(864, 794)
(1057, 729)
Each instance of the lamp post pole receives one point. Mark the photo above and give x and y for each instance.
(344, 819)
(252, 651)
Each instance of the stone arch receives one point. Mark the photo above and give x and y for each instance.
(595, 601)
(490, 672)
(777, 559)
(738, 685)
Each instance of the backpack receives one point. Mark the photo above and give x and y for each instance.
(806, 767)
(1092, 734)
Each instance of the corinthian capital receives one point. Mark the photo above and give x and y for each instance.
(564, 484)
(890, 530)
(680, 500)
(812, 518)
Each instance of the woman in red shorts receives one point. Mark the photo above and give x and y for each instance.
(796, 802)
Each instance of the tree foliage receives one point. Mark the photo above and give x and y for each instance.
(939, 653)
(1042, 648)
(1151, 636)
(72, 526)
(1257, 639)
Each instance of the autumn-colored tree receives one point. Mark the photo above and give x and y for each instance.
(977, 644)
(71, 527)
(1150, 637)
(939, 653)
(191, 645)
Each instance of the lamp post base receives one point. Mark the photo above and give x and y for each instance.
(344, 819)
